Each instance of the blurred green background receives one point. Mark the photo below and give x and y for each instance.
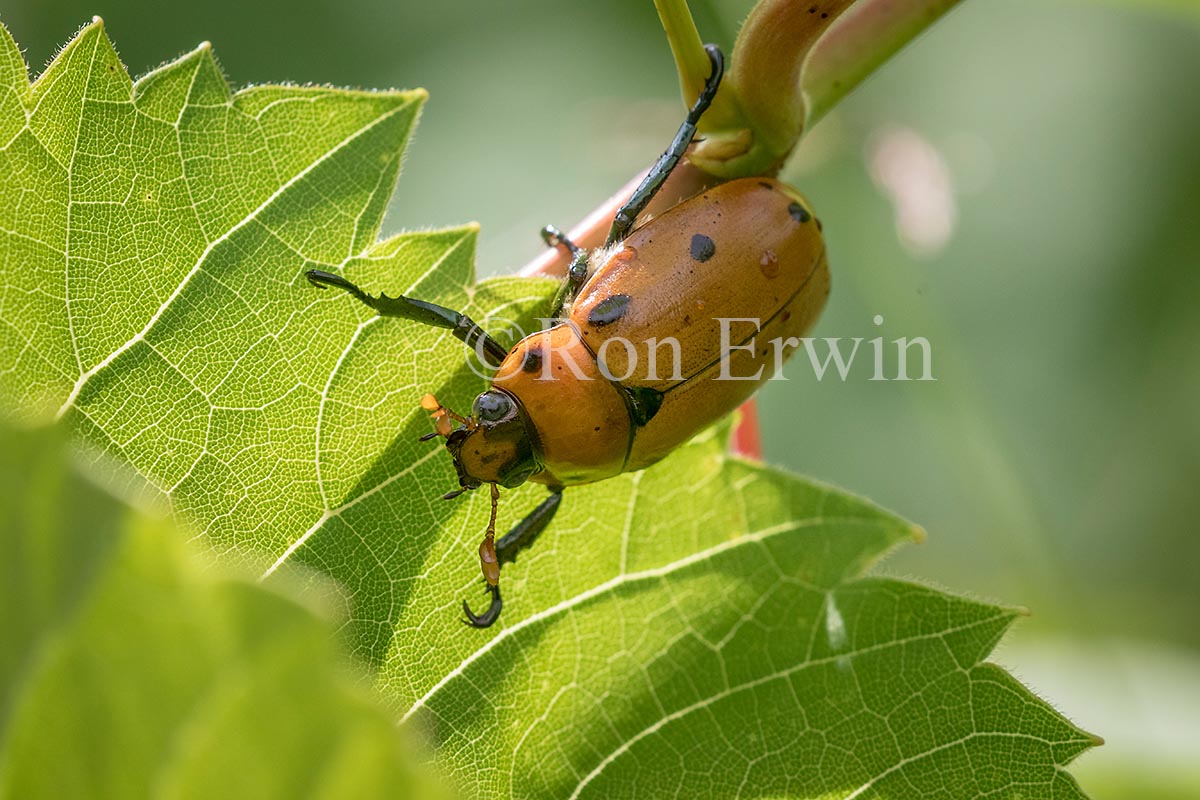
(1021, 187)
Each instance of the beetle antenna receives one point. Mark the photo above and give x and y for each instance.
(441, 418)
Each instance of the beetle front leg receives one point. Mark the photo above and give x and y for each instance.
(462, 326)
(505, 551)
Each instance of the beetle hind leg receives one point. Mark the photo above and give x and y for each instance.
(627, 214)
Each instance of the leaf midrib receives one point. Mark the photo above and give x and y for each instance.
(634, 577)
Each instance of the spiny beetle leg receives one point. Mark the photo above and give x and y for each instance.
(521, 536)
(576, 277)
(553, 237)
(462, 326)
(627, 214)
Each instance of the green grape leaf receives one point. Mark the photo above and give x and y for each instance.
(132, 668)
(703, 626)
(703, 629)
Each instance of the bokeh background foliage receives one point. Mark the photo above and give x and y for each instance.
(132, 667)
(1055, 460)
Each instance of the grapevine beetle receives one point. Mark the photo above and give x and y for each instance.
(565, 407)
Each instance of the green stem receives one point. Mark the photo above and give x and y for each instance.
(790, 65)
(767, 66)
(693, 64)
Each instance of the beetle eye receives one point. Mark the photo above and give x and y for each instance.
(492, 406)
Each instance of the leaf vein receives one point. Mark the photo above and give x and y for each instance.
(785, 673)
(633, 577)
(141, 335)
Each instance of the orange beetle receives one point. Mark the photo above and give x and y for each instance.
(659, 334)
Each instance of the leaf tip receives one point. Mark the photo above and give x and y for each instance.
(917, 534)
(204, 47)
(1097, 741)
(97, 21)
(1021, 611)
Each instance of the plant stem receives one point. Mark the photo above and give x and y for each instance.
(693, 65)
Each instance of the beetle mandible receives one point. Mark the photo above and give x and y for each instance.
(747, 251)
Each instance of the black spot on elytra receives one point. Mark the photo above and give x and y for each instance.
(799, 212)
(533, 360)
(702, 247)
(609, 310)
(820, 227)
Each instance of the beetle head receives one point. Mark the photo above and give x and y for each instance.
(493, 445)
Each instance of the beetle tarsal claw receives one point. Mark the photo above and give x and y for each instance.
(485, 619)
(491, 572)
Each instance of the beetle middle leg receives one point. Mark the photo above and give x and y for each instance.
(577, 271)
(505, 551)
